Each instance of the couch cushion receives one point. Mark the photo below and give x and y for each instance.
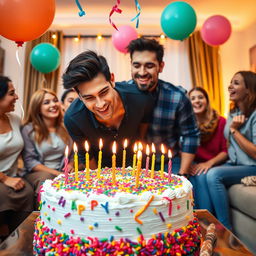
(245, 229)
(243, 198)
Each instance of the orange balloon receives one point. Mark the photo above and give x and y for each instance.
(25, 20)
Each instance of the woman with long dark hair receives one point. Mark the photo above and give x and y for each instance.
(240, 131)
(16, 195)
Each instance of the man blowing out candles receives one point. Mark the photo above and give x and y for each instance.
(104, 109)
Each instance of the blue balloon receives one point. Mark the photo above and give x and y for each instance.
(178, 20)
(45, 57)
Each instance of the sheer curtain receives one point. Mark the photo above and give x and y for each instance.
(176, 71)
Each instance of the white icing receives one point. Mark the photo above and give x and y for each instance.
(121, 202)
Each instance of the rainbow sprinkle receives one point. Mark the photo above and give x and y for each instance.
(183, 241)
(125, 183)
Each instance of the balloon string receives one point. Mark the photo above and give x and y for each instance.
(44, 82)
(115, 8)
(137, 17)
(19, 82)
(81, 12)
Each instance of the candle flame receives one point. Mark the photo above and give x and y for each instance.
(86, 145)
(66, 151)
(147, 150)
(162, 149)
(139, 155)
(125, 143)
(75, 148)
(169, 153)
(135, 147)
(153, 148)
(100, 144)
(114, 147)
(140, 146)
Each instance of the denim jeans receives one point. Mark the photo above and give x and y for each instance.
(202, 197)
(218, 179)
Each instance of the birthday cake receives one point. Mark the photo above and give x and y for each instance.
(97, 217)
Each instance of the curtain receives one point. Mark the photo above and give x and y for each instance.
(205, 70)
(176, 59)
(34, 80)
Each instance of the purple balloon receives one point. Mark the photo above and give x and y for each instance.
(216, 30)
(123, 36)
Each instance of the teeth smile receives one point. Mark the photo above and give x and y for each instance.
(103, 110)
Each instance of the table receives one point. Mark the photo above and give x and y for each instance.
(19, 243)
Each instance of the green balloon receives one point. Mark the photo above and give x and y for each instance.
(45, 57)
(178, 20)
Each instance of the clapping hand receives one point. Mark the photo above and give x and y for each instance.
(237, 122)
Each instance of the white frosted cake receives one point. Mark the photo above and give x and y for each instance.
(96, 217)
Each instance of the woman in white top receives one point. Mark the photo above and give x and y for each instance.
(45, 139)
(16, 195)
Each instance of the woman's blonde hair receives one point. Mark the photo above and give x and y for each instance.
(35, 118)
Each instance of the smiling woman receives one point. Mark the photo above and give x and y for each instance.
(212, 150)
(16, 194)
(45, 138)
(240, 131)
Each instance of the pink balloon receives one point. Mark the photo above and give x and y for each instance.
(123, 37)
(216, 30)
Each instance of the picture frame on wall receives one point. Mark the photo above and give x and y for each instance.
(252, 53)
(2, 55)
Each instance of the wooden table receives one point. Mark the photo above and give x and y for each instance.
(19, 243)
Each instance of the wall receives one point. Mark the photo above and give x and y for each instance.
(235, 55)
(12, 68)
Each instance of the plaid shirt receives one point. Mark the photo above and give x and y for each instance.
(173, 123)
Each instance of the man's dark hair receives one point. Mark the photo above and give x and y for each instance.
(65, 94)
(85, 67)
(145, 44)
(4, 80)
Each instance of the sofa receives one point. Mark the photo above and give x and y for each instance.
(243, 213)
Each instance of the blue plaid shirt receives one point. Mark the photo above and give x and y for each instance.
(173, 123)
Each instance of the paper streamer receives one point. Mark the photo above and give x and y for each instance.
(137, 17)
(115, 8)
(81, 12)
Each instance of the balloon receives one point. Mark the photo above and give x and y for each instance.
(45, 57)
(178, 20)
(25, 20)
(216, 30)
(123, 36)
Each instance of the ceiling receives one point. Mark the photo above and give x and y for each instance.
(241, 13)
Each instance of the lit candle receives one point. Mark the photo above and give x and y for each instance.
(87, 167)
(153, 149)
(147, 159)
(76, 162)
(99, 158)
(124, 156)
(66, 165)
(114, 163)
(140, 147)
(135, 148)
(138, 169)
(162, 161)
(169, 165)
